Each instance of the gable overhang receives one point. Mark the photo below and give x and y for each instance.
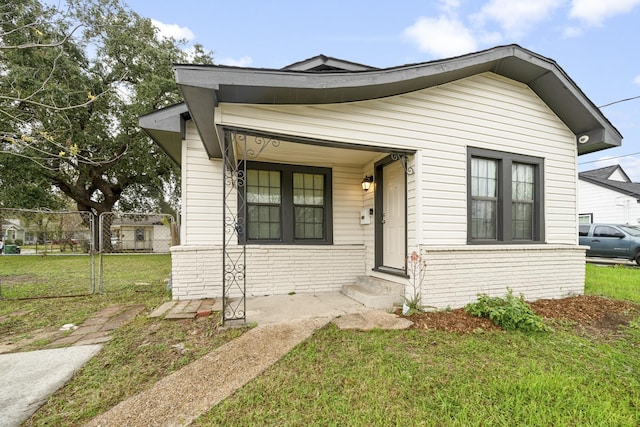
(167, 128)
(204, 86)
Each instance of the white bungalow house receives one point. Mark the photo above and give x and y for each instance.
(607, 195)
(472, 163)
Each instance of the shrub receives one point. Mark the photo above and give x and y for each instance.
(511, 313)
(19, 242)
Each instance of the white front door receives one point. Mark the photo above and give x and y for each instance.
(393, 216)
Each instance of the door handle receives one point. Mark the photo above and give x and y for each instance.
(595, 241)
(383, 220)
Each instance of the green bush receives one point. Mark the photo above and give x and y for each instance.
(511, 313)
(19, 242)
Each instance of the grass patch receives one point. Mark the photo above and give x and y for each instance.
(413, 377)
(141, 353)
(434, 378)
(618, 281)
(59, 273)
(30, 276)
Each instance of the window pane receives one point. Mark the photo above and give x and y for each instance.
(483, 219)
(309, 223)
(263, 200)
(522, 194)
(263, 222)
(252, 177)
(522, 225)
(522, 184)
(484, 190)
(308, 189)
(484, 177)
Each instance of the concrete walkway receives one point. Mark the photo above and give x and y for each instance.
(283, 322)
(28, 379)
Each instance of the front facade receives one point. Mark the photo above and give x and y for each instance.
(607, 195)
(472, 163)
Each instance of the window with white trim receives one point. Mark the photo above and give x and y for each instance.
(505, 197)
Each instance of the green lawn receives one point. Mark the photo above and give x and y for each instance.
(432, 378)
(36, 276)
(618, 281)
(348, 378)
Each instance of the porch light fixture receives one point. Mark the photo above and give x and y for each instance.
(366, 182)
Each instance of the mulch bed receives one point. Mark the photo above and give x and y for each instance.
(585, 312)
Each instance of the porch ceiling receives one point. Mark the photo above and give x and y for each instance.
(279, 151)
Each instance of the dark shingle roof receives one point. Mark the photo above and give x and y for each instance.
(601, 177)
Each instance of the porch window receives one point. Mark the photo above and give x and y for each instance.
(287, 204)
(505, 197)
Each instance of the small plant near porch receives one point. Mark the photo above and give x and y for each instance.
(511, 312)
(417, 270)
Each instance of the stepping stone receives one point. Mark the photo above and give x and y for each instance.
(162, 310)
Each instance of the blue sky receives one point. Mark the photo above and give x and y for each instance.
(596, 42)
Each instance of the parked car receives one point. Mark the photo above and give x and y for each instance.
(611, 241)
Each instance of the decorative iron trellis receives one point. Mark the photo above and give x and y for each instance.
(235, 154)
(408, 170)
(234, 253)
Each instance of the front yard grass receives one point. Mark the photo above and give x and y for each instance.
(433, 378)
(350, 378)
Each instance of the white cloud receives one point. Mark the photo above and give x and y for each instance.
(637, 80)
(173, 31)
(449, 6)
(570, 32)
(516, 17)
(441, 37)
(245, 61)
(594, 12)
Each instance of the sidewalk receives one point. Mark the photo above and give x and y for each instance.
(283, 321)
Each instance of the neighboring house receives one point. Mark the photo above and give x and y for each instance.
(12, 230)
(608, 195)
(472, 160)
(151, 233)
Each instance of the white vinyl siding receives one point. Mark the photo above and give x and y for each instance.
(202, 203)
(484, 111)
(607, 205)
(201, 193)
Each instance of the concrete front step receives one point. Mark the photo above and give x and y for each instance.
(375, 293)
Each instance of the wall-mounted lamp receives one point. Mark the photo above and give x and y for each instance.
(366, 182)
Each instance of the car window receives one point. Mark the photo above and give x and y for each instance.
(584, 230)
(631, 229)
(605, 231)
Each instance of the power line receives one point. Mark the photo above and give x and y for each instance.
(619, 101)
(609, 158)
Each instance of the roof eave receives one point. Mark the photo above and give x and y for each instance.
(606, 185)
(204, 86)
(166, 128)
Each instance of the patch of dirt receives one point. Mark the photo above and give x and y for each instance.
(16, 279)
(592, 314)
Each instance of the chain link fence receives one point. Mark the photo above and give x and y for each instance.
(67, 236)
(53, 254)
(131, 234)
